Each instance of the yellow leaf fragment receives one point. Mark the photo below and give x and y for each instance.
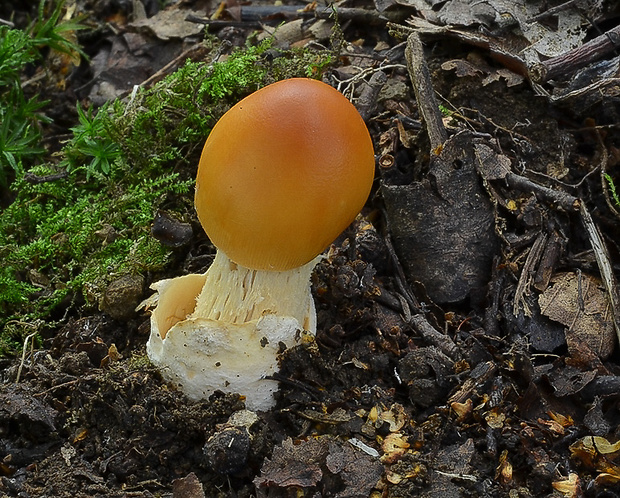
(394, 446)
(462, 409)
(569, 487)
(495, 418)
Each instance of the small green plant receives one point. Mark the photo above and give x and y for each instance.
(21, 117)
(19, 134)
(612, 189)
(19, 120)
(50, 31)
(445, 111)
(15, 52)
(91, 147)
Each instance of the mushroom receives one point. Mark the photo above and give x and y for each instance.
(281, 175)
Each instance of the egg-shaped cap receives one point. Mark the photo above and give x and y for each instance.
(283, 173)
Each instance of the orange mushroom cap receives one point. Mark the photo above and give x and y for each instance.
(283, 173)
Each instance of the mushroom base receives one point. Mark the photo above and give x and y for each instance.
(201, 354)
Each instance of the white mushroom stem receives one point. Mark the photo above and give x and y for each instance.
(223, 330)
(235, 294)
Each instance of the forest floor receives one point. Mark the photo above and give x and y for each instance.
(467, 322)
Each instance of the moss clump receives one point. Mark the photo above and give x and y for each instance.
(75, 226)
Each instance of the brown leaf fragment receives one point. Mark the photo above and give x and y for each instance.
(490, 164)
(313, 462)
(511, 78)
(338, 416)
(394, 446)
(569, 380)
(359, 471)
(606, 479)
(495, 418)
(443, 230)
(464, 68)
(112, 356)
(563, 420)
(457, 458)
(169, 23)
(462, 410)
(553, 426)
(461, 68)
(504, 470)
(187, 487)
(22, 412)
(579, 302)
(595, 421)
(294, 464)
(451, 466)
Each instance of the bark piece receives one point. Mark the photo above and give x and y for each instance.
(443, 226)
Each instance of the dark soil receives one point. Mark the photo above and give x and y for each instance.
(437, 369)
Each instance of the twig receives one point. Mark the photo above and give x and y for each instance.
(428, 30)
(64, 384)
(477, 378)
(367, 101)
(424, 92)
(433, 336)
(349, 89)
(570, 61)
(220, 23)
(35, 179)
(552, 11)
(527, 272)
(563, 200)
(418, 321)
(604, 265)
(401, 280)
(25, 348)
(254, 15)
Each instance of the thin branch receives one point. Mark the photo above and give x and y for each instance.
(604, 265)
(569, 62)
(563, 200)
(424, 92)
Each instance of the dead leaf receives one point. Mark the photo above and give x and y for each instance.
(461, 68)
(304, 463)
(569, 487)
(495, 418)
(359, 471)
(490, 164)
(504, 469)
(187, 487)
(170, 23)
(543, 38)
(294, 464)
(570, 380)
(394, 446)
(462, 410)
(579, 302)
(597, 453)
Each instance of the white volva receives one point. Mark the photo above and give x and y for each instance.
(223, 330)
